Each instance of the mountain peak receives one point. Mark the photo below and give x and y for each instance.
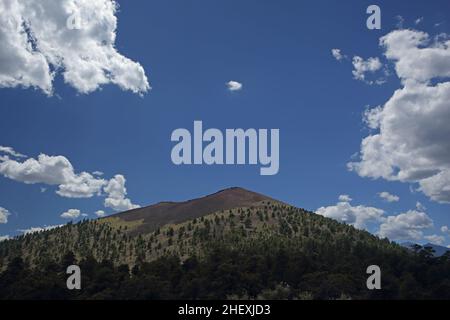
(154, 216)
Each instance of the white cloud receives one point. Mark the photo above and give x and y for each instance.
(11, 152)
(57, 170)
(234, 85)
(420, 206)
(345, 198)
(77, 38)
(361, 67)
(39, 229)
(116, 191)
(53, 170)
(405, 226)
(4, 213)
(71, 214)
(388, 197)
(435, 239)
(445, 229)
(357, 216)
(100, 213)
(97, 173)
(414, 48)
(412, 143)
(337, 54)
(3, 238)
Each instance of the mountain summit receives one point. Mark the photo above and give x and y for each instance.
(154, 216)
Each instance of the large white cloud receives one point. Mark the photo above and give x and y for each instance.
(416, 56)
(4, 213)
(357, 216)
(411, 142)
(58, 170)
(405, 226)
(40, 38)
(53, 170)
(116, 192)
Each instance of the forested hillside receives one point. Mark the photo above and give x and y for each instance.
(264, 250)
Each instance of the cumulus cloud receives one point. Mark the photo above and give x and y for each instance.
(411, 141)
(388, 197)
(4, 213)
(71, 214)
(100, 213)
(361, 67)
(3, 238)
(414, 48)
(337, 54)
(53, 170)
(41, 38)
(10, 151)
(58, 171)
(405, 226)
(435, 239)
(117, 192)
(39, 229)
(234, 85)
(357, 216)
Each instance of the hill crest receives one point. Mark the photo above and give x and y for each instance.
(168, 212)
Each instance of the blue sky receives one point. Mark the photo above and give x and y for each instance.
(279, 51)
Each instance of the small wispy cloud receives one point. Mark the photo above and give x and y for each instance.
(337, 54)
(388, 197)
(234, 85)
(39, 229)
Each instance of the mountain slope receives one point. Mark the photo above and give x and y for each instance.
(235, 217)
